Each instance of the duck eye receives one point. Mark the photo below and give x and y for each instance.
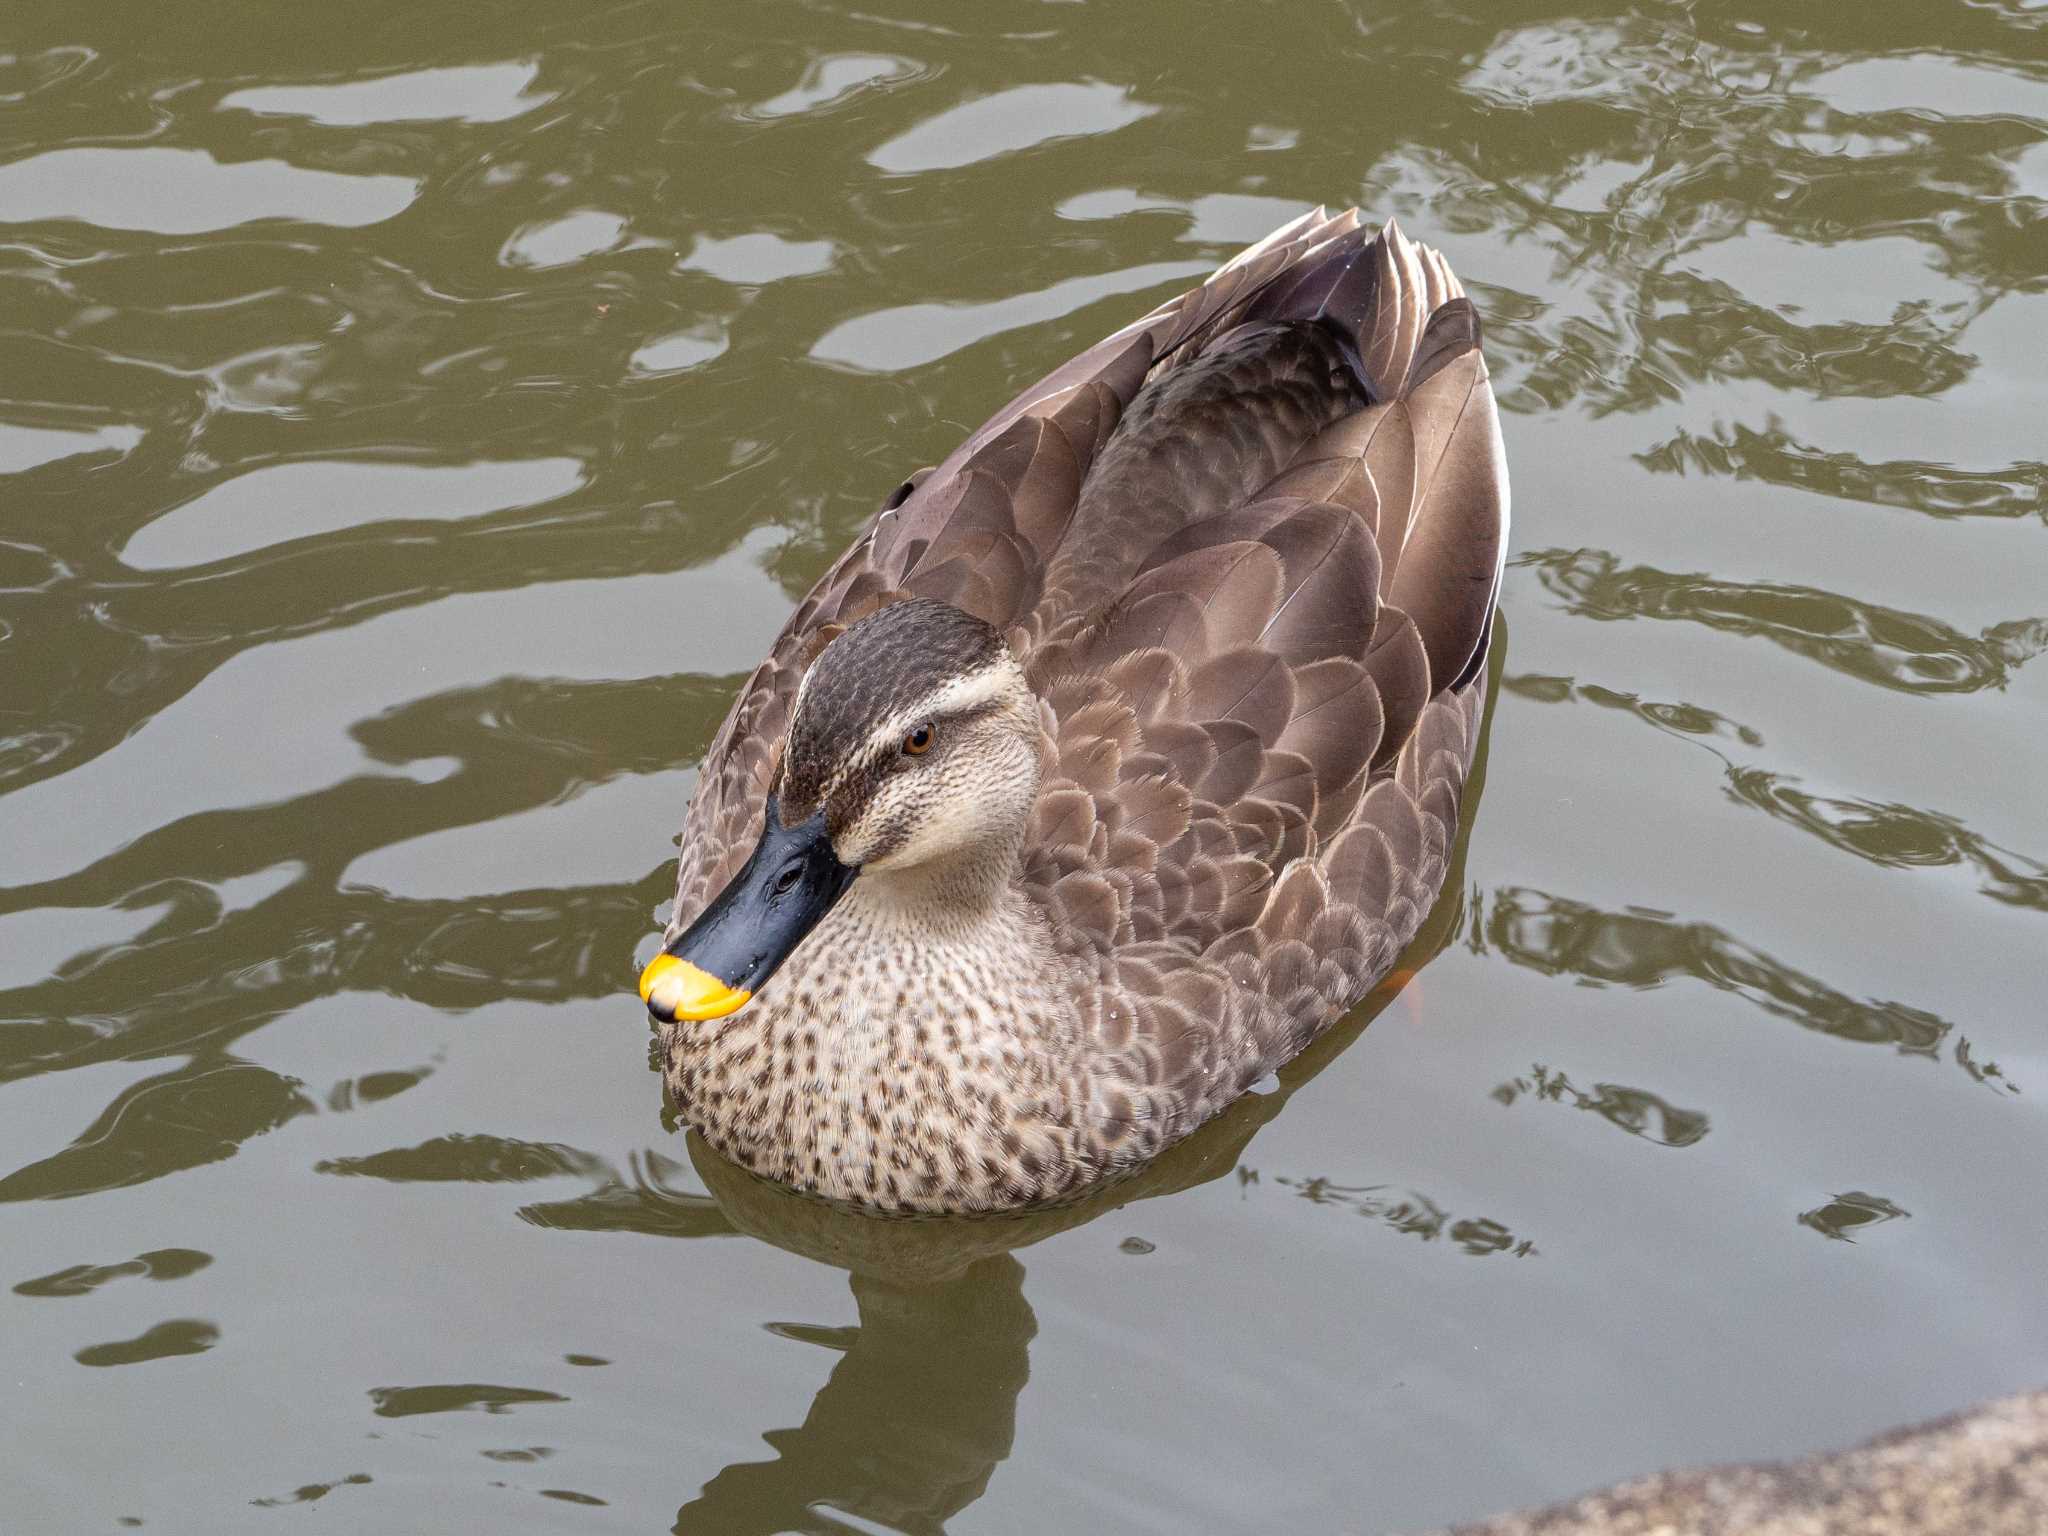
(786, 881)
(919, 741)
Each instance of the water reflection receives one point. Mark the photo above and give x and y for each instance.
(642, 1199)
(179, 1336)
(184, 1119)
(1775, 457)
(475, 1159)
(281, 502)
(1009, 121)
(833, 81)
(471, 93)
(914, 1418)
(917, 335)
(185, 191)
(306, 1493)
(1892, 834)
(1885, 833)
(1634, 1110)
(1845, 1215)
(1910, 652)
(1640, 948)
(455, 1397)
(84, 1279)
(1414, 1215)
(152, 643)
(1691, 140)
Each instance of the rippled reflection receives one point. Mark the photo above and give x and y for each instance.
(1775, 457)
(1897, 835)
(1911, 652)
(1845, 1215)
(1414, 1215)
(917, 1412)
(310, 1493)
(83, 1279)
(642, 1199)
(1634, 1110)
(184, 1119)
(1560, 936)
(1890, 834)
(180, 1336)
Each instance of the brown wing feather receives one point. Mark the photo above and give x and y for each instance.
(1276, 702)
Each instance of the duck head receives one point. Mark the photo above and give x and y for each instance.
(911, 764)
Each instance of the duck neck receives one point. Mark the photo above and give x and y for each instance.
(952, 939)
(923, 1022)
(945, 899)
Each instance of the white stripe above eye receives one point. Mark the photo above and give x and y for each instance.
(956, 696)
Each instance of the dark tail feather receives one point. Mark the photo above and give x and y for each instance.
(1366, 290)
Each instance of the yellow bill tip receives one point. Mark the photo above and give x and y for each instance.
(677, 989)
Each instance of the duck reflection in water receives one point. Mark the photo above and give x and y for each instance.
(910, 1425)
(921, 1406)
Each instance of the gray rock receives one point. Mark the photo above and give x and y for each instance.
(1982, 1472)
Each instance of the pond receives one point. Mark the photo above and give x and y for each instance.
(412, 428)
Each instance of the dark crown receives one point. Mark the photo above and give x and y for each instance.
(881, 666)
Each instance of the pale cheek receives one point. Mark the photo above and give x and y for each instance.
(947, 827)
(942, 811)
(880, 826)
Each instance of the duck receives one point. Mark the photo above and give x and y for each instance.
(1115, 761)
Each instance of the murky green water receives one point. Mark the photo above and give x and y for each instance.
(412, 422)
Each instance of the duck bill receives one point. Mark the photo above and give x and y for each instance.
(788, 883)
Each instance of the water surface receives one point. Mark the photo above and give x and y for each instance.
(410, 432)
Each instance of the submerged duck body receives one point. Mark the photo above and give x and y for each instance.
(1116, 760)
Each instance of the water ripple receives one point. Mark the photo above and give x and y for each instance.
(1019, 118)
(467, 93)
(1890, 834)
(1774, 456)
(1910, 652)
(185, 191)
(1561, 936)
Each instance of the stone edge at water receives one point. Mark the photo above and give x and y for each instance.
(1981, 1472)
